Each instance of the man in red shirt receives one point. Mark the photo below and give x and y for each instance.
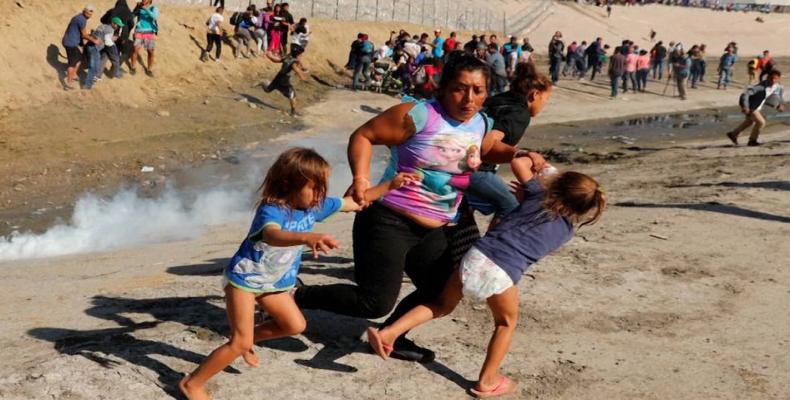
(450, 44)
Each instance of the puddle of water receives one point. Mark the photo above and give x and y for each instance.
(643, 130)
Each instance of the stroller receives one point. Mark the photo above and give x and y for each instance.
(382, 78)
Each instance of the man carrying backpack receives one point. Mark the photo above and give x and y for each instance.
(364, 59)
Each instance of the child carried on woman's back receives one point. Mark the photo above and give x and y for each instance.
(264, 269)
(490, 270)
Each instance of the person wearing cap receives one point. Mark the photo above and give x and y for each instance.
(111, 50)
(76, 32)
(104, 36)
(438, 44)
(145, 34)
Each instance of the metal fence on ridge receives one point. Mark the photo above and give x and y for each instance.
(453, 14)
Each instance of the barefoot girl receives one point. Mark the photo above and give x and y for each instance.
(493, 266)
(263, 270)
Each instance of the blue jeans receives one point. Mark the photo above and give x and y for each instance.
(554, 68)
(362, 68)
(94, 66)
(658, 69)
(641, 79)
(724, 77)
(488, 194)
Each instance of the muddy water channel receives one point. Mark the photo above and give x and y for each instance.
(647, 130)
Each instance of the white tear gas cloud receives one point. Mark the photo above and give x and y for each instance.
(127, 219)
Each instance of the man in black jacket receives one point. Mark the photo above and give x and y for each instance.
(121, 10)
(657, 56)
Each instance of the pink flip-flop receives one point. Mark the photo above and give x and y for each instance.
(505, 386)
(378, 345)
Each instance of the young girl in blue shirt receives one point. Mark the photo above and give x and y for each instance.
(264, 269)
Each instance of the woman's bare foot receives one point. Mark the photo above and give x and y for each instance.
(251, 359)
(191, 391)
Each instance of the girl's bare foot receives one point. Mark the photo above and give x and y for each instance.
(192, 392)
(251, 359)
(503, 387)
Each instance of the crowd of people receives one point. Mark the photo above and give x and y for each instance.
(110, 40)
(256, 31)
(412, 64)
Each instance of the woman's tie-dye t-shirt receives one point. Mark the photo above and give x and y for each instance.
(444, 152)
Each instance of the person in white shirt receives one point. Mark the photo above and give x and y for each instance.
(301, 34)
(214, 34)
(753, 99)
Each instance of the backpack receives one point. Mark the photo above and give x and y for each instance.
(420, 76)
(235, 19)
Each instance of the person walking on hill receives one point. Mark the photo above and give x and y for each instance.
(286, 25)
(580, 59)
(570, 56)
(616, 70)
(556, 48)
(145, 34)
(123, 46)
(362, 66)
(767, 92)
(214, 34)
(593, 55)
(275, 35)
(726, 62)
(76, 33)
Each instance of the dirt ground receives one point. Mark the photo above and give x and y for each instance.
(677, 293)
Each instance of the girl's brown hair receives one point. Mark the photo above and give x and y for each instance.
(294, 168)
(574, 195)
(527, 78)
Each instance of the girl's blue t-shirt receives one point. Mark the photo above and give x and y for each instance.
(259, 267)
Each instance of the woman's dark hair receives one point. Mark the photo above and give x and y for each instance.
(775, 72)
(527, 78)
(459, 62)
